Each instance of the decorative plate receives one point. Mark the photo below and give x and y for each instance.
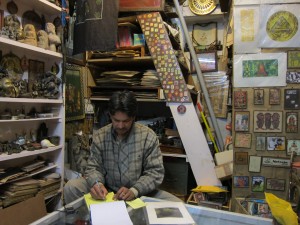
(202, 7)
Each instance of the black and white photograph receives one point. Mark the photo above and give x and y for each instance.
(293, 77)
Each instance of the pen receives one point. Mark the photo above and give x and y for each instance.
(97, 182)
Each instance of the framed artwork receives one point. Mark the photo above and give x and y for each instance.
(258, 184)
(204, 35)
(274, 96)
(36, 71)
(241, 181)
(293, 145)
(267, 121)
(292, 99)
(260, 143)
(293, 59)
(293, 77)
(275, 184)
(254, 164)
(258, 96)
(241, 120)
(291, 122)
(240, 99)
(243, 140)
(208, 61)
(74, 108)
(241, 158)
(142, 5)
(276, 162)
(276, 143)
(1, 18)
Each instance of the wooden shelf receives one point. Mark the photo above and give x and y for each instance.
(31, 100)
(121, 61)
(44, 6)
(29, 120)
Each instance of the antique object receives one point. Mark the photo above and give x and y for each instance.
(30, 35)
(202, 7)
(54, 40)
(12, 27)
(42, 38)
(7, 88)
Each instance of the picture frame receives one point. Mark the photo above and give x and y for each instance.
(274, 96)
(36, 71)
(241, 158)
(293, 77)
(241, 181)
(291, 120)
(141, 6)
(258, 96)
(205, 36)
(293, 59)
(276, 162)
(276, 143)
(1, 18)
(241, 120)
(254, 164)
(275, 184)
(267, 121)
(208, 61)
(258, 184)
(242, 140)
(293, 145)
(292, 98)
(260, 143)
(240, 99)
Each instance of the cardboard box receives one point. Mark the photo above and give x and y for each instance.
(224, 157)
(24, 212)
(224, 171)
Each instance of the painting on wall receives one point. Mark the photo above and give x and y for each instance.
(275, 184)
(267, 121)
(274, 96)
(293, 145)
(243, 140)
(276, 143)
(240, 99)
(241, 120)
(258, 96)
(258, 184)
(293, 59)
(291, 122)
(292, 98)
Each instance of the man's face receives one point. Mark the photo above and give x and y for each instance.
(121, 123)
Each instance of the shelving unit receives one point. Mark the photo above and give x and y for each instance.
(9, 128)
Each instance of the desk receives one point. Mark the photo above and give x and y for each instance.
(201, 215)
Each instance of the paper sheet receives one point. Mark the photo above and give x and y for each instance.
(110, 213)
(137, 203)
(89, 200)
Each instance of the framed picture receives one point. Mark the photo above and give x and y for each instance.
(36, 71)
(204, 35)
(275, 184)
(293, 59)
(267, 121)
(254, 164)
(1, 18)
(142, 5)
(208, 61)
(293, 77)
(292, 99)
(241, 158)
(291, 122)
(260, 143)
(258, 96)
(243, 140)
(274, 96)
(241, 181)
(258, 183)
(240, 99)
(293, 145)
(241, 120)
(276, 162)
(74, 93)
(276, 143)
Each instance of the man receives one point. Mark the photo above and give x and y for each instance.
(125, 158)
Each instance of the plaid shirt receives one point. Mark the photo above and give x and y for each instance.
(134, 162)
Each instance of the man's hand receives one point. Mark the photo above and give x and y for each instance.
(124, 194)
(98, 191)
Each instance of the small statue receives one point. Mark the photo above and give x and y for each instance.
(30, 35)
(43, 41)
(12, 26)
(54, 40)
(50, 85)
(7, 88)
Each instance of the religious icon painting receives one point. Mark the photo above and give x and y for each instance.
(260, 143)
(292, 99)
(293, 145)
(258, 96)
(258, 183)
(241, 120)
(267, 121)
(291, 122)
(240, 99)
(274, 96)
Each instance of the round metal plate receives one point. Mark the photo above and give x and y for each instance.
(202, 7)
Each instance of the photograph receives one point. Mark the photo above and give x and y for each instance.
(241, 120)
(260, 143)
(243, 140)
(293, 145)
(275, 184)
(240, 99)
(274, 96)
(291, 122)
(241, 158)
(258, 183)
(267, 121)
(293, 77)
(254, 164)
(293, 59)
(258, 96)
(276, 143)
(292, 99)
(241, 181)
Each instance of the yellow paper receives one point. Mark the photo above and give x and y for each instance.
(137, 203)
(89, 199)
(213, 189)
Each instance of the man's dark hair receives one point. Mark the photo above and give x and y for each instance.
(124, 101)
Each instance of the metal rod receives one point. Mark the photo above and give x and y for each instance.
(200, 76)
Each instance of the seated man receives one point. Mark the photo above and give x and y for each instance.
(125, 158)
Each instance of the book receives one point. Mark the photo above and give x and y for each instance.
(167, 212)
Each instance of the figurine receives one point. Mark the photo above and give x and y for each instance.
(54, 39)
(30, 35)
(7, 88)
(12, 26)
(43, 41)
